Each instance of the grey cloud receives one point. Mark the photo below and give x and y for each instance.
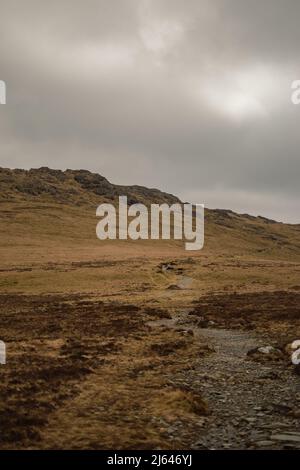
(192, 97)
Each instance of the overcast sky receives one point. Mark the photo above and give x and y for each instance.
(192, 97)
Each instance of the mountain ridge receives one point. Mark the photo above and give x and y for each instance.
(74, 186)
(83, 186)
(43, 207)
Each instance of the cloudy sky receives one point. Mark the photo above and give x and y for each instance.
(192, 97)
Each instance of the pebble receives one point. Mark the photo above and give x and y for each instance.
(264, 443)
(290, 437)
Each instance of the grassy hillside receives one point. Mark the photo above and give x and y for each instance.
(48, 240)
(103, 336)
(52, 207)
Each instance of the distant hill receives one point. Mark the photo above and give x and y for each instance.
(72, 187)
(58, 208)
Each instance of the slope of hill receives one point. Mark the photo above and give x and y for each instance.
(48, 222)
(76, 187)
(32, 200)
(103, 336)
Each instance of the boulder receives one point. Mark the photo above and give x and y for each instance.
(267, 352)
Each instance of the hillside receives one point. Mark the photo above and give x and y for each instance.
(48, 240)
(31, 200)
(141, 336)
(75, 187)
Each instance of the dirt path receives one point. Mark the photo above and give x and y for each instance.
(252, 405)
(249, 402)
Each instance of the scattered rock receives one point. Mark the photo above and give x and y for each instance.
(282, 408)
(267, 350)
(272, 375)
(202, 323)
(250, 420)
(286, 437)
(264, 443)
(184, 332)
(173, 287)
(167, 267)
(265, 353)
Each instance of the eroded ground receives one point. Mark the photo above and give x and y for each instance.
(149, 354)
